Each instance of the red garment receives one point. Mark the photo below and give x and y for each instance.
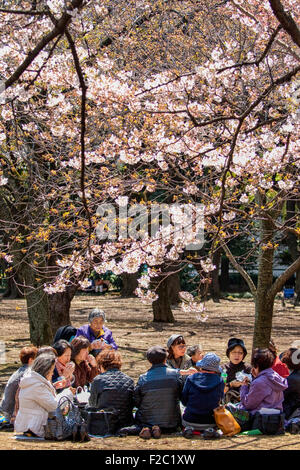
(84, 374)
(280, 368)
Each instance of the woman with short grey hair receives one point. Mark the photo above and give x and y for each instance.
(37, 397)
(98, 335)
(43, 364)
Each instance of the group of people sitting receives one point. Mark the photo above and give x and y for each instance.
(180, 390)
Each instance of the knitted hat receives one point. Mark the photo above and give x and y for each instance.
(172, 339)
(156, 354)
(95, 314)
(232, 343)
(210, 362)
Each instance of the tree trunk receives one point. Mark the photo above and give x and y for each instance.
(291, 241)
(12, 291)
(224, 277)
(264, 302)
(173, 283)
(60, 304)
(39, 316)
(130, 283)
(263, 321)
(38, 307)
(297, 289)
(161, 307)
(215, 285)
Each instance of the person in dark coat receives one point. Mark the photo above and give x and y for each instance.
(202, 393)
(156, 396)
(67, 333)
(112, 388)
(236, 353)
(292, 394)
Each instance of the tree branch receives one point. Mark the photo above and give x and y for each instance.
(239, 268)
(286, 20)
(83, 87)
(281, 280)
(263, 55)
(60, 28)
(25, 12)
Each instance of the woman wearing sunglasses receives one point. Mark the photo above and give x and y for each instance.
(177, 357)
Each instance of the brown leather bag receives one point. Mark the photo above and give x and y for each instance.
(226, 422)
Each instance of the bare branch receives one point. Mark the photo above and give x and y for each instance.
(281, 280)
(25, 12)
(263, 55)
(239, 268)
(286, 20)
(60, 28)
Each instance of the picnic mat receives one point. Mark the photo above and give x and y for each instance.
(20, 437)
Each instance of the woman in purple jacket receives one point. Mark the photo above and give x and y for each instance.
(98, 335)
(266, 389)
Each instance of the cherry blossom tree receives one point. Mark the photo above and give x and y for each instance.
(170, 102)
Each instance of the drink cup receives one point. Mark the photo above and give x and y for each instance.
(71, 364)
(59, 383)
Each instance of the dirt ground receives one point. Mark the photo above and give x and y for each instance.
(134, 332)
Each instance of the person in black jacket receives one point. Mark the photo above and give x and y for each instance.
(157, 396)
(236, 353)
(67, 333)
(112, 388)
(291, 358)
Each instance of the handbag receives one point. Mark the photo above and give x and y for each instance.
(62, 422)
(272, 424)
(101, 422)
(226, 422)
(82, 395)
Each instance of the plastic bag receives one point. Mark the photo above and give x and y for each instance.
(241, 375)
(82, 394)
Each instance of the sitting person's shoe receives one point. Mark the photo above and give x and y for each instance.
(75, 432)
(6, 427)
(145, 433)
(84, 436)
(294, 428)
(188, 432)
(210, 433)
(156, 432)
(127, 431)
(29, 433)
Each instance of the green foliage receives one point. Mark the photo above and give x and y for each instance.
(114, 280)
